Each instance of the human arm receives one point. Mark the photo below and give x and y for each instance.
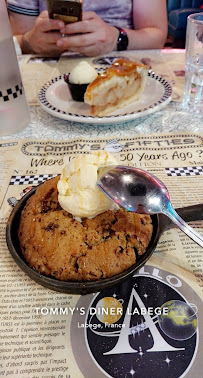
(92, 36)
(35, 34)
(150, 24)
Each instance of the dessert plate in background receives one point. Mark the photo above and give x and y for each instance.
(55, 98)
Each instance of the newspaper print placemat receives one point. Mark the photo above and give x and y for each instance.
(50, 334)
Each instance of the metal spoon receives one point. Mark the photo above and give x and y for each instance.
(139, 191)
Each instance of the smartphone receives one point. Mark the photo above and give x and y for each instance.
(65, 10)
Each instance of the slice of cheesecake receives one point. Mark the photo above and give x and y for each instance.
(119, 85)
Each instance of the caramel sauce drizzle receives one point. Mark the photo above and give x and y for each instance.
(120, 67)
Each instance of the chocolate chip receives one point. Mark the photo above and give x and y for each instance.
(51, 227)
(119, 250)
(136, 252)
(49, 193)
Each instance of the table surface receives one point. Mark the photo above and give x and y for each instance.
(174, 270)
(169, 63)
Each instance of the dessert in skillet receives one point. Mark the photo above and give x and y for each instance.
(71, 231)
(119, 85)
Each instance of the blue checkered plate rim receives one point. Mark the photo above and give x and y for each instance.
(54, 98)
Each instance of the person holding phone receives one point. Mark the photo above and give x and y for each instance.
(105, 27)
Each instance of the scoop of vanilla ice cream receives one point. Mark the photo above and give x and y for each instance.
(78, 192)
(83, 73)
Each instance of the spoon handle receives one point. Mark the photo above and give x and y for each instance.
(173, 215)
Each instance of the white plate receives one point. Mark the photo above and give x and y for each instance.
(55, 98)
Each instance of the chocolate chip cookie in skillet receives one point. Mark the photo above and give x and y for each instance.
(56, 244)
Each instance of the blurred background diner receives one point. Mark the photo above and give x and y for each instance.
(178, 11)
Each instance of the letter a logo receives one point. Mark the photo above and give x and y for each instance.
(123, 345)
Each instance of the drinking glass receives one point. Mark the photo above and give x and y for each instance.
(14, 112)
(193, 89)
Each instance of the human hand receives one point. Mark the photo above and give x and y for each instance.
(42, 38)
(91, 36)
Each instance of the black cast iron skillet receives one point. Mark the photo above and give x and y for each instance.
(160, 224)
